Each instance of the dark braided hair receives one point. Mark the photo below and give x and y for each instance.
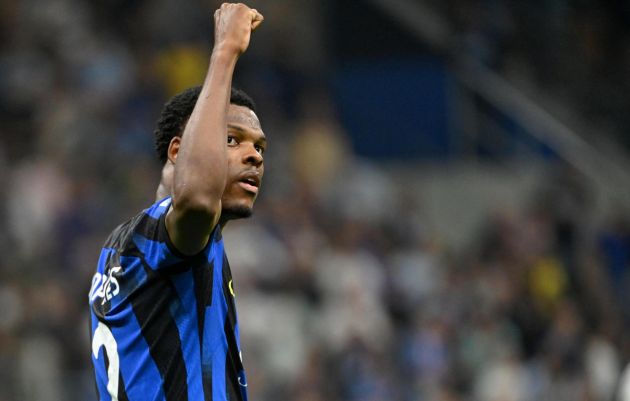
(178, 109)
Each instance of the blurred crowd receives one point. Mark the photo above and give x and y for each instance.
(577, 51)
(344, 290)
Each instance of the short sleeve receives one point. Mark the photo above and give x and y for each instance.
(152, 238)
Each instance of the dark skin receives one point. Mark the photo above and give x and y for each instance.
(246, 144)
(215, 177)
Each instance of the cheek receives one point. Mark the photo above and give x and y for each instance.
(232, 167)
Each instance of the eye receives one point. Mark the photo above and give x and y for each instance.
(231, 140)
(260, 149)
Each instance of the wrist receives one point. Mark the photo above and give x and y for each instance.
(225, 51)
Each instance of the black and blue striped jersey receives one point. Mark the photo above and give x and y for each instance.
(163, 324)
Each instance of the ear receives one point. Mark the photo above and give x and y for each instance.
(173, 149)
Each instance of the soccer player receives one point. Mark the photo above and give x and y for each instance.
(163, 320)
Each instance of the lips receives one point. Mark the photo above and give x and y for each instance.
(249, 181)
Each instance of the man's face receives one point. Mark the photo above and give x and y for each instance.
(246, 145)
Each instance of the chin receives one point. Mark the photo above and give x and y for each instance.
(234, 212)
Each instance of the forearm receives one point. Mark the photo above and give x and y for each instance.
(200, 159)
(201, 166)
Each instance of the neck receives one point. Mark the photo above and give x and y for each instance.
(166, 181)
(162, 192)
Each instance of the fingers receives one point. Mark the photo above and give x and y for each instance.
(257, 18)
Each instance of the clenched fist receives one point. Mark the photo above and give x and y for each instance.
(233, 25)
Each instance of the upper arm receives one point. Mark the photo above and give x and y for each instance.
(189, 228)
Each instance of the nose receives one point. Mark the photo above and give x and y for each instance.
(252, 156)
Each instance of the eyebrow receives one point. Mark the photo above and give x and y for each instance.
(235, 127)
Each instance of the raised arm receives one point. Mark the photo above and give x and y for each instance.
(200, 156)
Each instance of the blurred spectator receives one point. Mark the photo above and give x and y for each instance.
(344, 287)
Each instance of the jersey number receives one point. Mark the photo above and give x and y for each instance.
(103, 337)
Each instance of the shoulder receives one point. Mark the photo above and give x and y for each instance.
(159, 208)
(146, 224)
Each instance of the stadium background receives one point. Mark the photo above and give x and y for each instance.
(445, 210)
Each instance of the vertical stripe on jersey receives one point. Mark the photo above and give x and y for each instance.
(215, 345)
(218, 366)
(173, 317)
(139, 375)
(101, 365)
(204, 283)
(231, 381)
(143, 380)
(234, 382)
(187, 324)
(122, 392)
(152, 308)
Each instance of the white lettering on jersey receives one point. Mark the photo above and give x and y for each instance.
(96, 280)
(108, 288)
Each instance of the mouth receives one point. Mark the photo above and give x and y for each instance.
(250, 181)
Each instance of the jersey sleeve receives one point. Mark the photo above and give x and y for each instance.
(152, 240)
